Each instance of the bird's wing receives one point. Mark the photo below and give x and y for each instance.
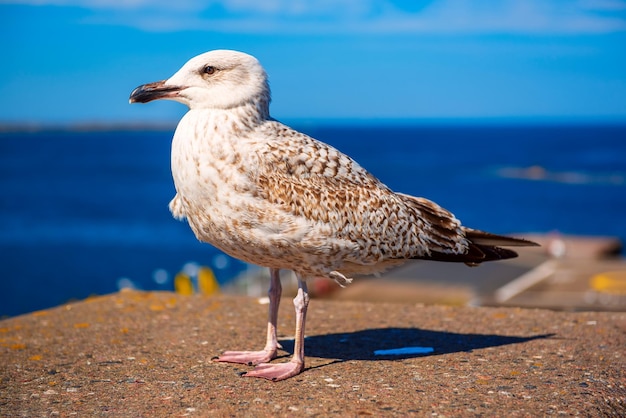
(313, 180)
(481, 246)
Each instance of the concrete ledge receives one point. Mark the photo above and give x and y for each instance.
(147, 354)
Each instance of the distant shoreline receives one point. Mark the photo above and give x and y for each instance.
(326, 122)
(87, 127)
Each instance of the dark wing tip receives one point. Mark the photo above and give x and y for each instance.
(487, 238)
(475, 255)
(483, 246)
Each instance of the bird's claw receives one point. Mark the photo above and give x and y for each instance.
(276, 372)
(251, 358)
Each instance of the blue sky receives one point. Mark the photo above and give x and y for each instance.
(76, 61)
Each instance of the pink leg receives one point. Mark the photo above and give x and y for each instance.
(269, 352)
(295, 366)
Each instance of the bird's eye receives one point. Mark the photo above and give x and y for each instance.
(209, 69)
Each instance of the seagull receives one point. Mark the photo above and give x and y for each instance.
(269, 195)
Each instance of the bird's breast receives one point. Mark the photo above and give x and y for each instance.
(206, 159)
(211, 173)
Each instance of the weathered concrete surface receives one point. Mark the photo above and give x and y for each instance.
(148, 354)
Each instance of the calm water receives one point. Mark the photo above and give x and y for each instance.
(85, 212)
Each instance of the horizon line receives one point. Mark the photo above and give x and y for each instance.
(323, 122)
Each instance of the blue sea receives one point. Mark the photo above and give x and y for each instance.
(85, 212)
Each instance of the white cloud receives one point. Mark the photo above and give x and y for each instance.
(604, 5)
(361, 16)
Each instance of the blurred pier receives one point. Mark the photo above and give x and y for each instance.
(566, 273)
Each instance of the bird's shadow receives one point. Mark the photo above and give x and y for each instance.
(368, 344)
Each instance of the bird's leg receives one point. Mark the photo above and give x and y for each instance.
(269, 352)
(283, 371)
(273, 293)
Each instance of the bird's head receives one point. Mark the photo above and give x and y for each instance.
(218, 79)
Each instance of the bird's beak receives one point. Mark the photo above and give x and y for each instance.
(154, 91)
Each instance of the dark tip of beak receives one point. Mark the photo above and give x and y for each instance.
(153, 91)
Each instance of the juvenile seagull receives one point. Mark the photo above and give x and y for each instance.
(269, 195)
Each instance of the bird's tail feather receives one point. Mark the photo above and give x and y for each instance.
(483, 246)
(489, 239)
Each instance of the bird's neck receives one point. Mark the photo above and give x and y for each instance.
(232, 122)
(243, 118)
